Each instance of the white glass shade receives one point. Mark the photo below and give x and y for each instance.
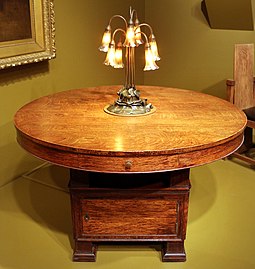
(105, 40)
(110, 57)
(154, 49)
(130, 36)
(138, 36)
(149, 60)
(118, 56)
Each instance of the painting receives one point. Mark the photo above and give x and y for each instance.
(27, 32)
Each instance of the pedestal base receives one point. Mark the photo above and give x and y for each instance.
(129, 208)
(129, 103)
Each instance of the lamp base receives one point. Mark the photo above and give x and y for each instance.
(118, 110)
(130, 104)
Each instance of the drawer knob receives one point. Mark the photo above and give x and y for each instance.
(86, 217)
(128, 165)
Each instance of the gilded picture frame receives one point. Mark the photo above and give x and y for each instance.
(28, 35)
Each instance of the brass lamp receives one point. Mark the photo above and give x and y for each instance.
(129, 102)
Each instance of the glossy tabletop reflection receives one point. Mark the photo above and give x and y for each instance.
(71, 129)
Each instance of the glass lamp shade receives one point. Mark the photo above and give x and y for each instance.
(138, 36)
(106, 40)
(149, 60)
(130, 36)
(154, 48)
(110, 57)
(118, 56)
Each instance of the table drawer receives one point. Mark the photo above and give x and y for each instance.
(129, 217)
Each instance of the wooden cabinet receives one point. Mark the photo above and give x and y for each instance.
(135, 218)
(132, 207)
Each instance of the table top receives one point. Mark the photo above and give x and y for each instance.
(187, 129)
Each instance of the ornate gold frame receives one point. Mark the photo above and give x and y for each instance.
(42, 44)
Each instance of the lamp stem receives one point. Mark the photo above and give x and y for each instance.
(130, 68)
(133, 57)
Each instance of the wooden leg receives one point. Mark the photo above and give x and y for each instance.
(84, 252)
(173, 252)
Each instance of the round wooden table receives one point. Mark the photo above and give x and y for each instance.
(116, 194)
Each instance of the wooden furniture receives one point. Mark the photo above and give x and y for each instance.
(241, 93)
(129, 177)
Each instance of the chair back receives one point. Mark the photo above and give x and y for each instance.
(244, 95)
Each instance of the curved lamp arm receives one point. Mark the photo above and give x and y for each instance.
(117, 16)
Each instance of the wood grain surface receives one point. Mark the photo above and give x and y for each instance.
(145, 217)
(71, 129)
(244, 96)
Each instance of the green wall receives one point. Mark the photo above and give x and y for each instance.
(79, 28)
(193, 56)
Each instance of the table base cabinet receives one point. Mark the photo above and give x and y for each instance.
(150, 207)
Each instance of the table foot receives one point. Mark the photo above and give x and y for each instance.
(84, 252)
(173, 252)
